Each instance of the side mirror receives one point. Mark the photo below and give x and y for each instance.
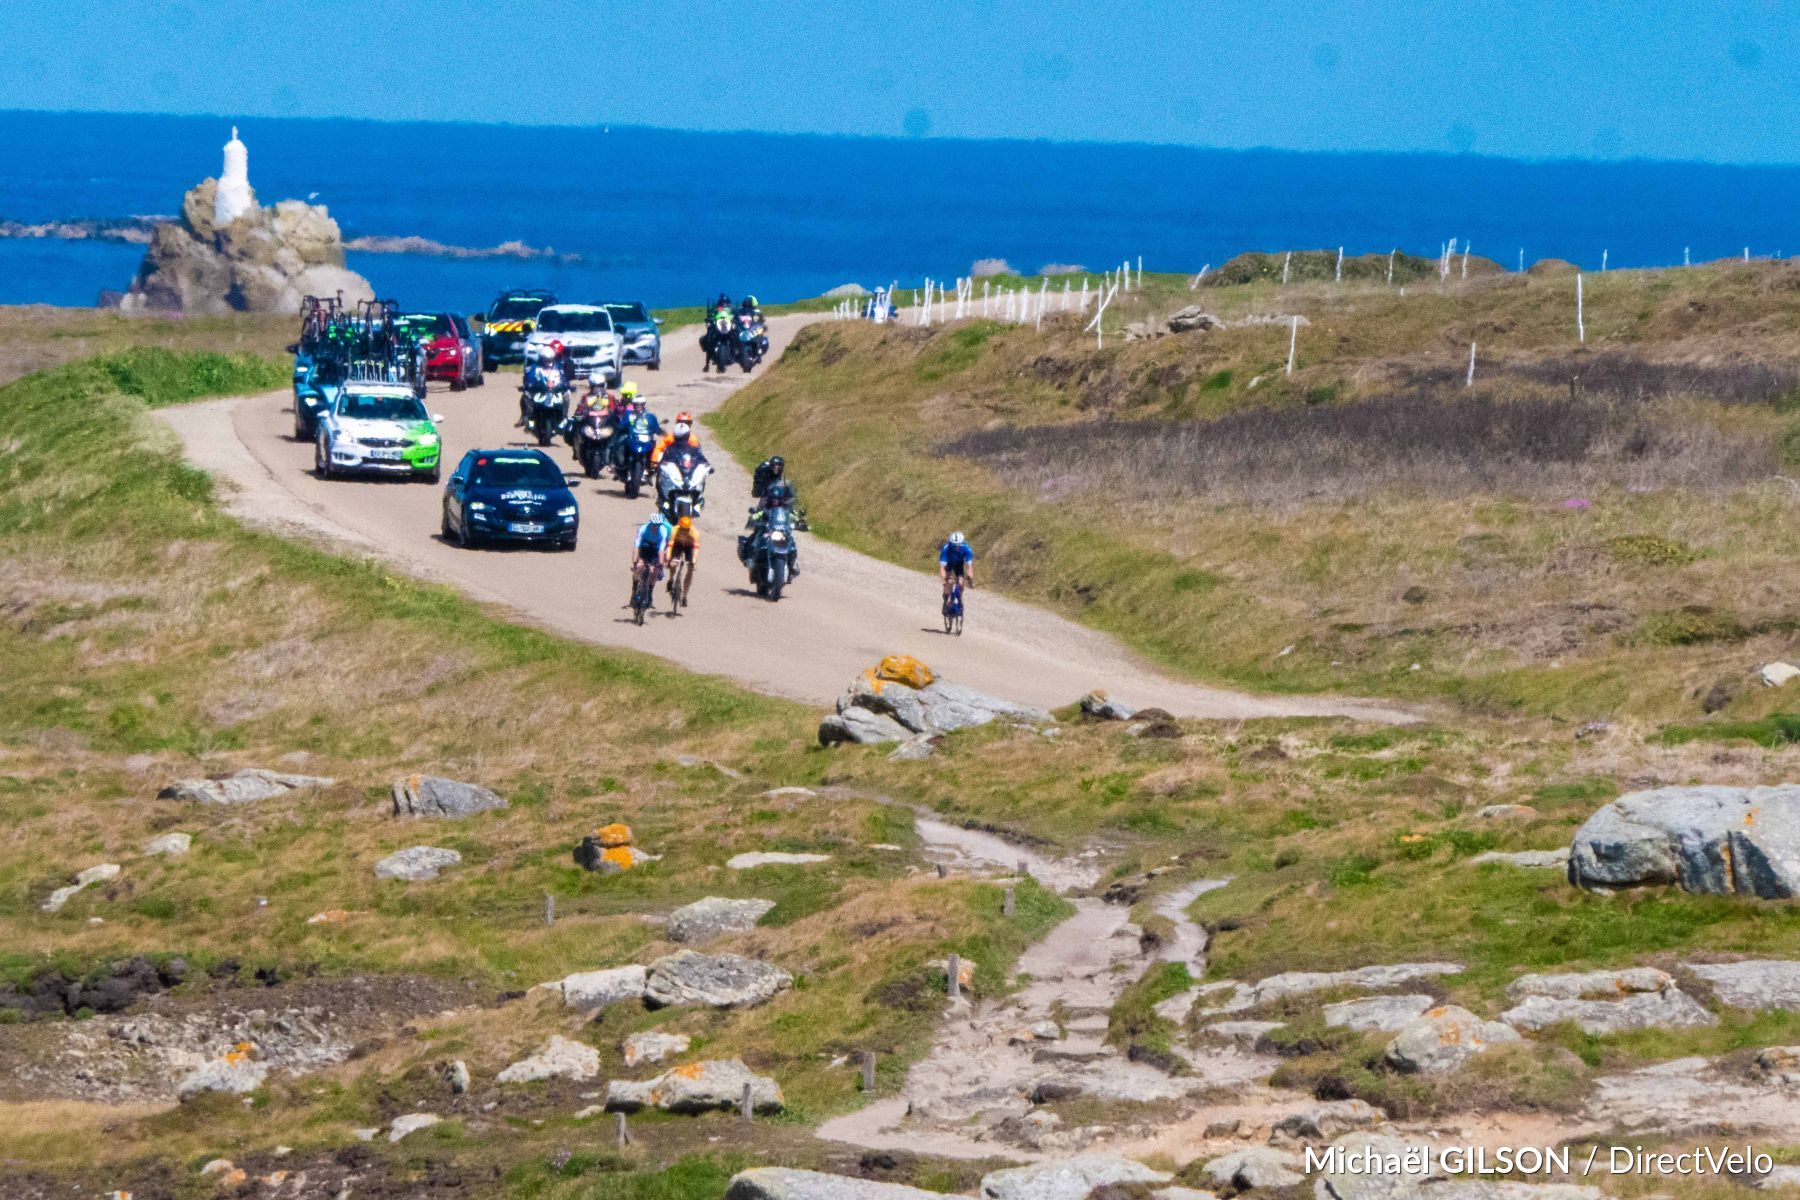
(658, 320)
(294, 347)
(456, 480)
(437, 418)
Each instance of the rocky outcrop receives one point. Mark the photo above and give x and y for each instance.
(431, 796)
(1300, 983)
(790, 1183)
(713, 980)
(1723, 841)
(1378, 1014)
(416, 863)
(1445, 1038)
(652, 1047)
(594, 990)
(265, 260)
(1254, 1167)
(714, 917)
(235, 1073)
(1098, 706)
(876, 709)
(558, 1058)
(1066, 1179)
(241, 787)
(773, 858)
(83, 879)
(1603, 1001)
(1760, 984)
(172, 844)
(695, 1088)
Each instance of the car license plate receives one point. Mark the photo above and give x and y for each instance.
(384, 455)
(526, 527)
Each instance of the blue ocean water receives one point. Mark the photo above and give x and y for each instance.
(671, 217)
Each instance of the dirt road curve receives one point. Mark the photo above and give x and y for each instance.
(842, 614)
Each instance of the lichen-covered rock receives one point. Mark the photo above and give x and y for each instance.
(558, 1058)
(790, 1183)
(1723, 841)
(713, 980)
(241, 787)
(880, 706)
(1443, 1039)
(653, 1047)
(1067, 1178)
(861, 727)
(591, 854)
(416, 863)
(431, 796)
(237, 1072)
(714, 917)
(694, 1088)
(1254, 1167)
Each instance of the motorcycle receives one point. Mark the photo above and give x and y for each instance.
(769, 552)
(748, 344)
(544, 412)
(588, 438)
(632, 458)
(719, 345)
(681, 484)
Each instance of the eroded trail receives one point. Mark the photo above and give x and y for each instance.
(844, 612)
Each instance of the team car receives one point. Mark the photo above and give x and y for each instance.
(377, 428)
(639, 333)
(509, 321)
(587, 334)
(509, 496)
(452, 351)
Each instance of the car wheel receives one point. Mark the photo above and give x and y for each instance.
(480, 379)
(434, 475)
(655, 364)
(567, 543)
(457, 382)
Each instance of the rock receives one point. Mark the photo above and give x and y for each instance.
(1777, 674)
(1443, 1039)
(1378, 1014)
(1254, 1167)
(790, 1183)
(694, 1088)
(1592, 729)
(1375, 1166)
(1193, 317)
(1299, 983)
(83, 879)
(217, 1166)
(456, 1074)
(1780, 1175)
(558, 1058)
(862, 727)
(169, 843)
(430, 796)
(915, 749)
(641, 1048)
(1668, 1009)
(614, 835)
(715, 917)
(411, 1123)
(773, 858)
(416, 863)
(329, 916)
(1506, 812)
(1066, 1179)
(1758, 984)
(1181, 1193)
(1243, 1033)
(594, 855)
(1711, 840)
(242, 787)
(1324, 1121)
(1098, 706)
(1779, 1064)
(236, 1073)
(1557, 860)
(891, 698)
(718, 981)
(594, 990)
(1153, 723)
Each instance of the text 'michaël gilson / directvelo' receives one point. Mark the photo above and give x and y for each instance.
(1422, 1160)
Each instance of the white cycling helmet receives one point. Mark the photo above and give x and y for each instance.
(682, 429)
(597, 377)
(957, 539)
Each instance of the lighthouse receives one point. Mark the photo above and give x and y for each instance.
(234, 197)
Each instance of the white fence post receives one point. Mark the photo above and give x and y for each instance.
(1603, 255)
(1465, 266)
(1293, 342)
(1470, 381)
(1580, 318)
(1338, 275)
(1521, 260)
(1390, 268)
(1687, 256)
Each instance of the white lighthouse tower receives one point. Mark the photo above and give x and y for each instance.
(234, 197)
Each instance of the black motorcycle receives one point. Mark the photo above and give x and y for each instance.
(681, 484)
(748, 344)
(631, 459)
(719, 344)
(589, 438)
(769, 552)
(543, 413)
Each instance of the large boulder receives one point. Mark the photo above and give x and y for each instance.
(1066, 1179)
(1603, 1001)
(1443, 1039)
(431, 796)
(594, 990)
(235, 1073)
(1254, 1167)
(714, 917)
(885, 704)
(558, 1058)
(1724, 841)
(714, 980)
(1194, 316)
(652, 1047)
(1758, 984)
(1383, 1014)
(791, 1183)
(861, 727)
(416, 863)
(694, 1088)
(241, 787)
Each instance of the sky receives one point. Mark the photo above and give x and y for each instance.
(1672, 79)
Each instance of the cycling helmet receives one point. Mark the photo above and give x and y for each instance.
(682, 429)
(556, 348)
(686, 523)
(629, 390)
(684, 418)
(597, 377)
(957, 539)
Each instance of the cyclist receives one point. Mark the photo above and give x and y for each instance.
(956, 561)
(681, 434)
(684, 544)
(650, 550)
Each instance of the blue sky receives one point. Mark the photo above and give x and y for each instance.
(1523, 78)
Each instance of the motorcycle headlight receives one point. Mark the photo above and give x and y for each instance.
(566, 511)
(778, 536)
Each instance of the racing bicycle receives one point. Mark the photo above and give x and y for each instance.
(953, 608)
(681, 576)
(643, 591)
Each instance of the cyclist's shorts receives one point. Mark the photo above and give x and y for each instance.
(956, 569)
(682, 550)
(649, 554)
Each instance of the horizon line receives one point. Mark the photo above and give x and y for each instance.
(633, 127)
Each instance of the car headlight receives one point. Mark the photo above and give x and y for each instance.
(428, 439)
(477, 506)
(569, 511)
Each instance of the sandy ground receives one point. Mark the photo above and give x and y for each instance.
(843, 613)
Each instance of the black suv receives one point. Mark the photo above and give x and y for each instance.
(509, 320)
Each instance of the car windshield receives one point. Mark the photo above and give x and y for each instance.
(574, 321)
(424, 324)
(363, 406)
(627, 312)
(514, 470)
(516, 309)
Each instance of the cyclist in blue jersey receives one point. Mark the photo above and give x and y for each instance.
(956, 561)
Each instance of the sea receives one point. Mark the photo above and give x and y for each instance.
(671, 217)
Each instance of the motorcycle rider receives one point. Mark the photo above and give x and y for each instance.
(778, 494)
(650, 550)
(681, 434)
(956, 560)
(767, 471)
(542, 375)
(638, 421)
(596, 399)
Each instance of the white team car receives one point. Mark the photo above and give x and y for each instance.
(587, 334)
(380, 428)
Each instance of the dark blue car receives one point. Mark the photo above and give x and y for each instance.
(509, 496)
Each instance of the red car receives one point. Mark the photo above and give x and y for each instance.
(452, 351)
